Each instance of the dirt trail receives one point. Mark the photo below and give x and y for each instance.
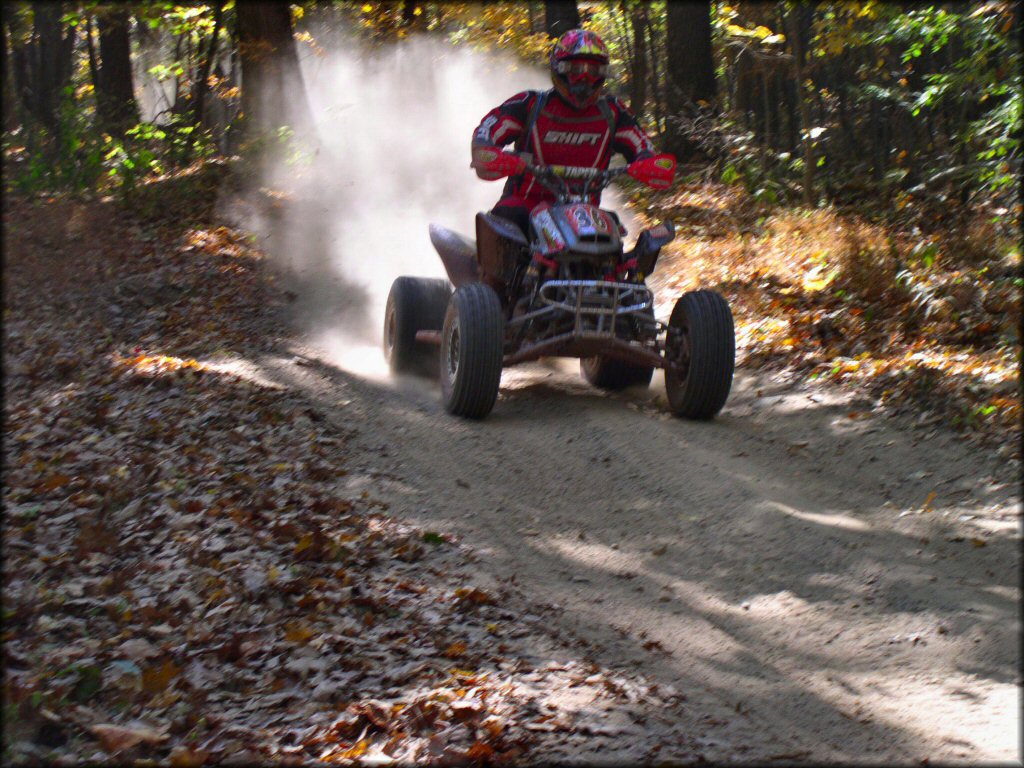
(820, 582)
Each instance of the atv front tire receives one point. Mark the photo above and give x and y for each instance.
(702, 345)
(472, 343)
(414, 304)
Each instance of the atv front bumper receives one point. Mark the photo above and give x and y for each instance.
(581, 318)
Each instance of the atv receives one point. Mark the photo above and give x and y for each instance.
(568, 291)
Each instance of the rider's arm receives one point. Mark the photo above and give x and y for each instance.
(500, 127)
(656, 170)
(631, 141)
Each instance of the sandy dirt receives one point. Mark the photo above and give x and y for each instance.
(819, 581)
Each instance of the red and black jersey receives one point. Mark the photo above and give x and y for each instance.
(560, 135)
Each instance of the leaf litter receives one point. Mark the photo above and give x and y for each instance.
(184, 580)
(838, 299)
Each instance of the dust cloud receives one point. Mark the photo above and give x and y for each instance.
(394, 129)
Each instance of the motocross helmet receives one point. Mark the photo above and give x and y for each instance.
(579, 65)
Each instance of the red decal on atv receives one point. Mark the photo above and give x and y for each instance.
(544, 223)
(544, 261)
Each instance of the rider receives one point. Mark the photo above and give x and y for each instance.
(572, 124)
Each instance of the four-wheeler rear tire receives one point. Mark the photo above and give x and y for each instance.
(414, 304)
(702, 344)
(472, 341)
(616, 375)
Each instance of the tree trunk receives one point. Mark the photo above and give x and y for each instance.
(690, 68)
(47, 33)
(11, 116)
(201, 86)
(657, 81)
(115, 94)
(796, 38)
(19, 62)
(273, 93)
(531, 9)
(849, 132)
(41, 68)
(560, 16)
(90, 47)
(638, 76)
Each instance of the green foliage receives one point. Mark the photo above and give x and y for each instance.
(907, 104)
(496, 25)
(40, 160)
(925, 100)
(149, 149)
(283, 143)
(956, 72)
(76, 155)
(81, 159)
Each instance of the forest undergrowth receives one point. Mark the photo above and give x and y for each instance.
(922, 315)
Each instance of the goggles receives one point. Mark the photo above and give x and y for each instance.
(577, 67)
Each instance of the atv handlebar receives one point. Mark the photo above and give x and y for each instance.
(574, 172)
(555, 178)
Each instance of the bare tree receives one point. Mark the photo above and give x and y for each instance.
(799, 52)
(638, 60)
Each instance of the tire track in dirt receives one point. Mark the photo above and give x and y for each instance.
(817, 585)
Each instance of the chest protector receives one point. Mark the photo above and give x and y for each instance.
(557, 135)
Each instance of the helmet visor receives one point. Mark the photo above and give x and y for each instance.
(575, 68)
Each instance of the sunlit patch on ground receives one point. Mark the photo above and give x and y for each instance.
(563, 370)
(154, 365)
(222, 241)
(357, 357)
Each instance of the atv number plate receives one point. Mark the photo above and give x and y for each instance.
(588, 221)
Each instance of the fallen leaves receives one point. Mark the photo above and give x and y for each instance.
(470, 596)
(116, 738)
(156, 678)
(819, 293)
(928, 501)
(52, 483)
(455, 650)
(183, 756)
(187, 579)
(298, 633)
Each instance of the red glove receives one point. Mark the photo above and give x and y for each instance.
(657, 171)
(492, 163)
